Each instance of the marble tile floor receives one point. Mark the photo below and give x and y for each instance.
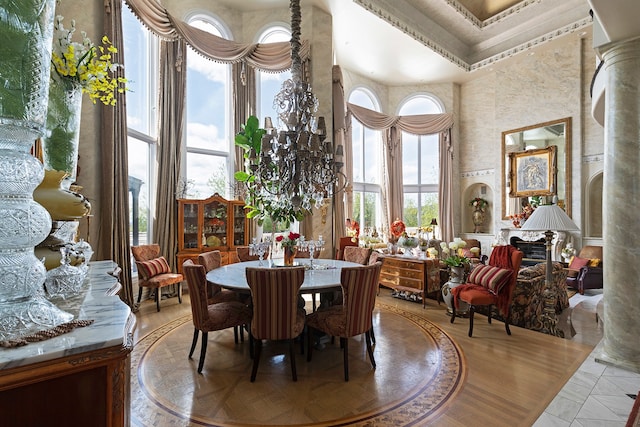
(597, 394)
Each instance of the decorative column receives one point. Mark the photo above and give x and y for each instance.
(621, 201)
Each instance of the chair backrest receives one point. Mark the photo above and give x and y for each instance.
(210, 260)
(145, 252)
(357, 254)
(243, 254)
(197, 283)
(343, 243)
(359, 289)
(510, 257)
(274, 292)
(306, 254)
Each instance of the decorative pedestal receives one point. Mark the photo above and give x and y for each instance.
(456, 278)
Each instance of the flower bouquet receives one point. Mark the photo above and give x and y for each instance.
(479, 203)
(450, 250)
(407, 242)
(289, 244)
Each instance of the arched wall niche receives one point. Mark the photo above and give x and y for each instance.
(593, 207)
(484, 191)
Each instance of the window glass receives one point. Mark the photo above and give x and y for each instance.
(367, 167)
(140, 59)
(420, 166)
(269, 84)
(207, 138)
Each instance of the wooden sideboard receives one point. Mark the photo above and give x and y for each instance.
(414, 275)
(80, 378)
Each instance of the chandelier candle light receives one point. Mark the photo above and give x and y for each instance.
(295, 168)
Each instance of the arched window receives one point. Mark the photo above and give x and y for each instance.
(207, 168)
(420, 165)
(367, 165)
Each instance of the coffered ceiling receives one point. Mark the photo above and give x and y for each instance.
(430, 41)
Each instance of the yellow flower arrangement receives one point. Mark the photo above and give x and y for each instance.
(86, 64)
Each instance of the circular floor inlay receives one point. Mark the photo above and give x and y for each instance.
(419, 367)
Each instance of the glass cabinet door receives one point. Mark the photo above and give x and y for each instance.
(215, 223)
(239, 225)
(190, 225)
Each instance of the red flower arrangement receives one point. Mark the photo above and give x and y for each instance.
(289, 240)
(397, 228)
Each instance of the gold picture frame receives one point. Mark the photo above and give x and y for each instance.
(533, 172)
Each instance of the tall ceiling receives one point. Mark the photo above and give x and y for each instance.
(431, 41)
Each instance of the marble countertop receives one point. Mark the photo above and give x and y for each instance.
(110, 315)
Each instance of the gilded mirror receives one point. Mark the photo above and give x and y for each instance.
(540, 136)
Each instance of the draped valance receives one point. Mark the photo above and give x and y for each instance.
(272, 57)
(419, 124)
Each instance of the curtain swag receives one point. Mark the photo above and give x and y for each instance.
(420, 124)
(269, 57)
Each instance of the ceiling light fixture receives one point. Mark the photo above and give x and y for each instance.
(297, 165)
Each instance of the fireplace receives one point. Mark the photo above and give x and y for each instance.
(534, 251)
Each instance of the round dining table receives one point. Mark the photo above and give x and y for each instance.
(324, 276)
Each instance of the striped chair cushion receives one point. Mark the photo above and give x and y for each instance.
(274, 293)
(490, 277)
(153, 267)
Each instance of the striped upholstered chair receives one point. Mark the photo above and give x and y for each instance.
(353, 317)
(210, 317)
(154, 271)
(210, 261)
(276, 315)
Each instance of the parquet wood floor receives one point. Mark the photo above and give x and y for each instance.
(510, 379)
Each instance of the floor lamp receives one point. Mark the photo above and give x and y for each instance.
(549, 218)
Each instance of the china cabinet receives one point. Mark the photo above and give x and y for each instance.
(211, 224)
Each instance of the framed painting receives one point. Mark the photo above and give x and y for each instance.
(533, 172)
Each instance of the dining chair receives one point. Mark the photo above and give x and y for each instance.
(490, 285)
(357, 254)
(210, 317)
(243, 254)
(343, 243)
(210, 261)
(154, 271)
(276, 314)
(354, 316)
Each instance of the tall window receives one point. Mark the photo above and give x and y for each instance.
(367, 166)
(207, 167)
(268, 85)
(141, 57)
(420, 166)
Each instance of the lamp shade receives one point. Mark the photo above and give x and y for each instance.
(549, 217)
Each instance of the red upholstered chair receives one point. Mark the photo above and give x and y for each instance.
(357, 254)
(154, 271)
(243, 254)
(210, 317)
(490, 285)
(210, 261)
(359, 288)
(276, 315)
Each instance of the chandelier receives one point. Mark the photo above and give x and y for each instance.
(297, 166)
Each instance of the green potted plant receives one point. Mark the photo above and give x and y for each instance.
(259, 201)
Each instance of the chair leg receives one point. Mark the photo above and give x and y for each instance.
(470, 320)
(489, 314)
(195, 340)
(139, 294)
(344, 343)
(507, 320)
(180, 293)
(158, 294)
(256, 358)
(235, 334)
(292, 356)
(453, 311)
(373, 336)
(203, 351)
(367, 336)
(313, 297)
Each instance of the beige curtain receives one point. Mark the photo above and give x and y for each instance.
(173, 69)
(113, 218)
(445, 187)
(339, 129)
(420, 124)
